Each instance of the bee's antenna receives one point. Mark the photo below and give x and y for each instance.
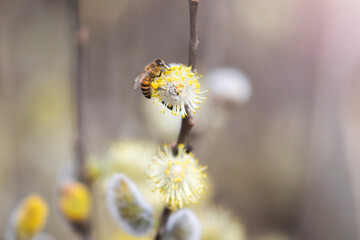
(167, 65)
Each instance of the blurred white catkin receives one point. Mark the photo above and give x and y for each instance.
(128, 207)
(183, 225)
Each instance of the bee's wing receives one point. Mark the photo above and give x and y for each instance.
(141, 77)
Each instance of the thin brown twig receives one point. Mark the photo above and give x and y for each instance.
(79, 82)
(164, 218)
(186, 125)
(188, 121)
(194, 39)
(81, 38)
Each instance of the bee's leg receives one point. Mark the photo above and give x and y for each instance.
(163, 70)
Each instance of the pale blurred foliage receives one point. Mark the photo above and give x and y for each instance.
(287, 160)
(218, 223)
(132, 159)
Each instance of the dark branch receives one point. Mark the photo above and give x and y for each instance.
(186, 125)
(187, 122)
(79, 86)
(80, 69)
(194, 39)
(164, 218)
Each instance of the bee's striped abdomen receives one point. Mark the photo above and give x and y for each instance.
(146, 87)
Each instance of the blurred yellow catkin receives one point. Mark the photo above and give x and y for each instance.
(31, 216)
(75, 201)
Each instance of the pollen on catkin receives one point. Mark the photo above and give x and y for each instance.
(180, 179)
(178, 87)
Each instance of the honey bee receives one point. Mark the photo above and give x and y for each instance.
(145, 79)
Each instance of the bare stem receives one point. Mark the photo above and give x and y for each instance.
(194, 39)
(80, 67)
(79, 86)
(187, 122)
(164, 218)
(186, 125)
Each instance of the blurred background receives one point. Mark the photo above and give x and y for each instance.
(284, 160)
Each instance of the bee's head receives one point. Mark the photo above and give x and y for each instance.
(160, 62)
